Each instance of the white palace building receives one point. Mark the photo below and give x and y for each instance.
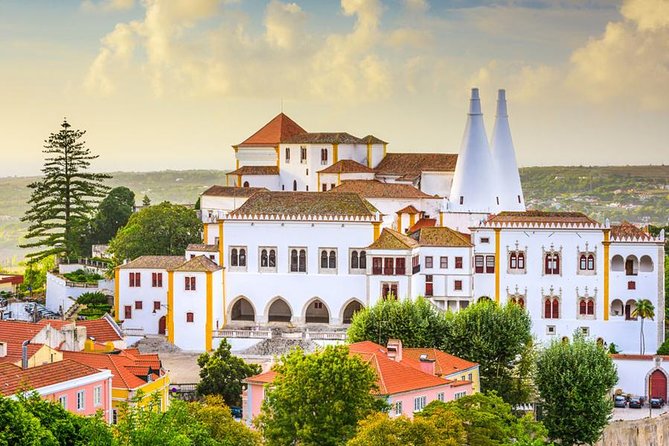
(311, 227)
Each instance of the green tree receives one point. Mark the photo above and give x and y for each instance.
(164, 229)
(18, 427)
(498, 338)
(574, 381)
(62, 201)
(34, 278)
(317, 399)
(146, 201)
(215, 416)
(380, 430)
(645, 310)
(416, 322)
(113, 213)
(222, 373)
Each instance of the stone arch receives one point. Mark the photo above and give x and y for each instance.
(631, 265)
(646, 264)
(617, 307)
(630, 306)
(351, 307)
(617, 263)
(242, 309)
(316, 311)
(278, 310)
(652, 390)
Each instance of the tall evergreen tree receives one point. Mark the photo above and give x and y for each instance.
(63, 200)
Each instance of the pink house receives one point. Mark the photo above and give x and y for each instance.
(79, 388)
(407, 384)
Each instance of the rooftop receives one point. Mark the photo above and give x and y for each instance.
(14, 379)
(154, 262)
(323, 138)
(628, 230)
(306, 204)
(279, 129)
(377, 189)
(409, 166)
(391, 239)
(101, 330)
(441, 236)
(445, 364)
(542, 217)
(201, 247)
(347, 166)
(255, 170)
(423, 223)
(231, 191)
(408, 210)
(198, 264)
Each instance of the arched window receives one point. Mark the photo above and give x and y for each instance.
(552, 263)
(293, 260)
(556, 309)
(591, 307)
(242, 257)
(332, 260)
(294, 185)
(513, 261)
(583, 263)
(551, 308)
(246, 184)
(234, 257)
(582, 308)
(272, 258)
(547, 309)
(354, 259)
(591, 262)
(264, 259)
(324, 259)
(363, 260)
(521, 260)
(303, 261)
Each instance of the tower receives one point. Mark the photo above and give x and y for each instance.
(474, 179)
(508, 190)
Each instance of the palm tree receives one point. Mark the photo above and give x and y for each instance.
(644, 309)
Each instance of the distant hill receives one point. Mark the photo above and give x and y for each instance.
(636, 193)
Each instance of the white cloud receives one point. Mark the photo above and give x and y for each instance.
(107, 5)
(283, 23)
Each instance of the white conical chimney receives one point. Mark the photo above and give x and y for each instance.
(473, 182)
(509, 192)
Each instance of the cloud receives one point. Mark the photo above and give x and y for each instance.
(283, 23)
(107, 5)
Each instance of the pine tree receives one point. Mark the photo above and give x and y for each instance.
(63, 200)
(146, 201)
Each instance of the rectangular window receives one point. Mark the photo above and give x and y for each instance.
(440, 396)
(490, 264)
(389, 290)
(324, 156)
(128, 311)
(189, 283)
(298, 260)
(478, 264)
(267, 256)
(156, 305)
(415, 264)
(550, 329)
(332, 186)
(429, 289)
(458, 263)
(443, 262)
(135, 280)
(459, 395)
(324, 187)
(419, 403)
(485, 239)
(114, 416)
(237, 258)
(63, 401)
(287, 155)
(457, 285)
(400, 266)
(190, 317)
(428, 262)
(303, 155)
(97, 396)
(388, 264)
(138, 305)
(81, 399)
(398, 408)
(470, 378)
(377, 266)
(157, 280)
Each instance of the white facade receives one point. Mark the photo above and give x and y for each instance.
(143, 307)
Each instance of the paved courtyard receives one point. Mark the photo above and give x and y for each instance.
(635, 414)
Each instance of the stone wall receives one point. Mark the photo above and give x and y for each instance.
(644, 432)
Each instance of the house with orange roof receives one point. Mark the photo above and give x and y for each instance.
(407, 384)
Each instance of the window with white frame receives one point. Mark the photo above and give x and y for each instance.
(63, 401)
(585, 331)
(327, 260)
(419, 403)
(440, 396)
(398, 408)
(358, 261)
(189, 283)
(303, 155)
(428, 262)
(267, 255)
(237, 258)
(459, 395)
(97, 396)
(586, 261)
(298, 260)
(516, 260)
(443, 262)
(81, 400)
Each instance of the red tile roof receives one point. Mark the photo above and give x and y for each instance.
(408, 210)
(262, 378)
(371, 139)
(347, 166)
(14, 279)
(255, 170)
(201, 247)
(18, 331)
(274, 132)
(232, 191)
(634, 357)
(628, 230)
(441, 236)
(100, 329)
(154, 262)
(323, 138)
(306, 204)
(423, 223)
(14, 378)
(445, 364)
(119, 364)
(391, 239)
(377, 189)
(542, 217)
(198, 264)
(409, 166)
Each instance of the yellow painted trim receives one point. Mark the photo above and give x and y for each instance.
(236, 164)
(239, 180)
(208, 326)
(497, 264)
(385, 147)
(441, 219)
(205, 233)
(318, 179)
(399, 223)
(170, 306)
(606, 243)
(377, 230)
(117, 297)
(369, 155)
(221, 262)
(278, 156)
(335, 153)
(338, 179)
(412, 219)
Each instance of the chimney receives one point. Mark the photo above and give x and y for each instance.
(394, 350)
(427, 365)
(24, 354)
(3, 349)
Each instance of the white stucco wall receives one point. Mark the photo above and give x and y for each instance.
(145, 319)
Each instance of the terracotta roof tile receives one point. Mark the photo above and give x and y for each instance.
(255, 170)
(347, 166)
(14, 279)
(445, 364)
(409, 166)
(232, 191)
(423, 223)
(408, 210)
(280, 128)
(198, 264)
(377, 189)
(263, 378)
(371, 139)
(323, 138)
(628, 230)
(200, 247)
(306, 203)
(14, 378)
(391, 239)
(101, 330)
(154, 262)
(18, 331)
(122, 377)
(441, 236)
(541, 217)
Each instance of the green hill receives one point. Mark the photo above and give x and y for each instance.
(636, 193)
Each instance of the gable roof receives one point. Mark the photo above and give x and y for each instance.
(441, 236)
(255, 170)
(323, 138)
(154, 262)
(371, 139)
(445, 364)
(306, 204)
(198, 264)
(101, 330)
(377, 189)
(231, 191)
(262, 378)
(409, 166)
(423, 223)
(347, 166)
(544, 217)
(391, 239)
(408, 210)
(120, 364)
(14, 378)
(18, 331)
(279, 129)
(202, 247)
(628, 230)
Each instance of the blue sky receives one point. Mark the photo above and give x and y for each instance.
(174, 83)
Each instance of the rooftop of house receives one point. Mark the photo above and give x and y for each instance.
(445, 363)
(423, 223)
(391, 239)
(255, 170)
(628, 230)
(279, 129)
(441, 236)
(347, 166)
(199, 264)
(201, 247)
(262, 378)
(409, 166)
(14, 379)
(154, 262)
(323, 138)
(18, 331)
(542, 217)
(306, 204)
(408, 210)
(371, 139)
(232, 191)
(378, 189)
(101, 329)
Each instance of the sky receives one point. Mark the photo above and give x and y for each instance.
(173, 84)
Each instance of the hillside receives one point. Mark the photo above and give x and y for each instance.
(635, 193)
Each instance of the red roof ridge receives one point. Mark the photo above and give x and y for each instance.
(278, 129)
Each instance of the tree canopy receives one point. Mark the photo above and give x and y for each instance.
(574, 380)
(163, 229)
(644, 309)
(381, 430)
(222, 373)
(317, 399)
(113, 213)
(62, 200)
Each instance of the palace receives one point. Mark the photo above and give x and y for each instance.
(311, 227)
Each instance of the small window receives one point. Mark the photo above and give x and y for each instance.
(156, 305)
(294, 185)
(398, 408)
(332, 185)
(318, 305)
(485, 239)
(63, 401)
(138, 305)
(81, 400)
(212, 257)
(428, 261)
(157, 280)
(478, 264)
(135, 280)
(551, 308)
(443, 262)
(458, 263)
(189, 283)
(298, 260)
(552, 263)
(457, 285)
(127, 311)
(190, 317)
(462, 200)
(490, 264)
(303, 155)
(97, 396)
(440, 396)
(550, 329)
(238, 258)
(324, 187)
(114, 416)
(585, 331)
(287, 155)
(324, 156)
(419, 403)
